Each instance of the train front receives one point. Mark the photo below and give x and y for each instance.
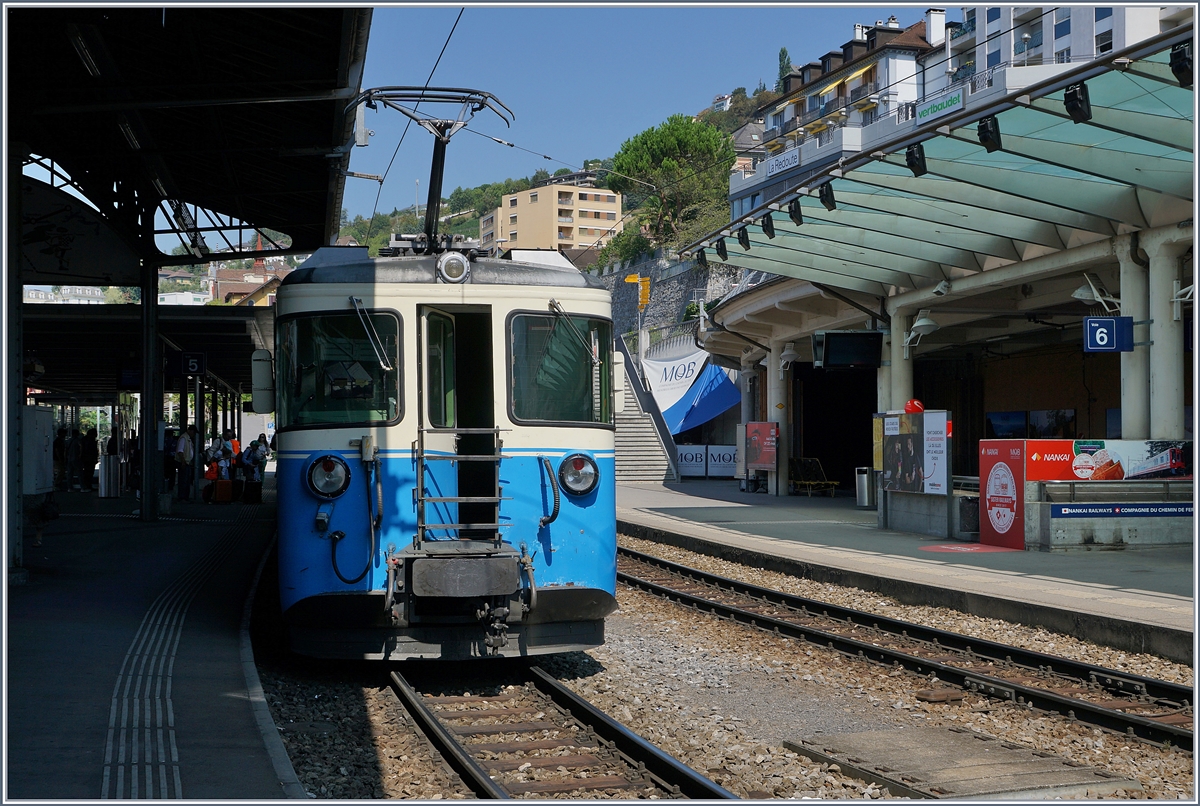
(445, 463)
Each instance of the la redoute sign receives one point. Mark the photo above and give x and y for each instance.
(941, 105)
(786, 160)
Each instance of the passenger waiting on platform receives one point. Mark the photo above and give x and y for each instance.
(264, 447)
(74, 458)
(170, 466)
(60, 460)
(88, 457)
(184, 456)
(251, 462)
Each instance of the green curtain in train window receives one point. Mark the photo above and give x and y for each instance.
(560, 384)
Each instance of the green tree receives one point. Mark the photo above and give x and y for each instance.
(670, 168)
(628, 244)
(563, 172)
(785, 69)
(540, 175)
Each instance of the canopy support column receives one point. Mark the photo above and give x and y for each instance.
(1135, 366)
(1166, 340)
(152, 398)
(777, 412)
(901, 370)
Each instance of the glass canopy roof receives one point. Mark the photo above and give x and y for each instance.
(1054, 184)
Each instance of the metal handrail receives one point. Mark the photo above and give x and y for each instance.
(1128, 491)
(864, 90)
(967, 27)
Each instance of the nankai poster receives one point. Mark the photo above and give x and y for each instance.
(761, 445)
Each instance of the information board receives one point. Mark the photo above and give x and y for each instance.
(1002, 493)
(761, 445)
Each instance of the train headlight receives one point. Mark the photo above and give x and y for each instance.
(453, 267)
(578, 474)
(329, 476)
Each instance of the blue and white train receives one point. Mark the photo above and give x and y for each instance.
(444, 454)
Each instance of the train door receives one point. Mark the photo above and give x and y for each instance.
(437, 404)
(457, 401)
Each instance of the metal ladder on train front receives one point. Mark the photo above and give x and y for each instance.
(419, 491)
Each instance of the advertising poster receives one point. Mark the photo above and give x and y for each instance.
(722, 461)
(1002, 493)
(760, 445)
(690, 460)
(1107, 459)
(935, 458)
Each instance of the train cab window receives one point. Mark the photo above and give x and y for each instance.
(552, 374)
(334, 371)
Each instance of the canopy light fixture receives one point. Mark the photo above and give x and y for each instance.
(722, 252)
(914, 158)
(768, 226)
(1181, 63)
(1094, 291)
(788, 355)
(1077, 103)
(989, 134)
(702, 259)
(825, 194)
(795, 213)
(743, 236)
(923, 325)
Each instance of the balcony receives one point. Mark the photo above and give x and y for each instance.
(790, 125)
(770, 134)
(1021, 45)
(566, 219)
(965, 29)
(568, 201)
(861, 97)
(810, 117)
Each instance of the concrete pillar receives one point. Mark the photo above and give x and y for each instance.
(883, 379)
(14, 377)
(777, 413)
(152, 395)
(1166, 341)
(902, 372)
(198, 446)
(1135, 366)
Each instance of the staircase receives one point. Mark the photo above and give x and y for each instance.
(640, 452)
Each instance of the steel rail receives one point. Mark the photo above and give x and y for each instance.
(1113, 681)
(1029, 696)
(473, 775)
(672, 773)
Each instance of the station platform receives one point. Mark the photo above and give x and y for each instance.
(128, 672)
(1140, 600)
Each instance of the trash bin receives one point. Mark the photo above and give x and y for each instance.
(864, 487)
(110, 476)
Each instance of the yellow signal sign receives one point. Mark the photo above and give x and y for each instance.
(643, 292)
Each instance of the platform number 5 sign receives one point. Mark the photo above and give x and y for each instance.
(194, 363)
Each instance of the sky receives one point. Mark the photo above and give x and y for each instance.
(580, 80)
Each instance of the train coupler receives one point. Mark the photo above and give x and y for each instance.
(496, 629)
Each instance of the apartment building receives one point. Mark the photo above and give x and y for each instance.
(886, 80)
(564, 212)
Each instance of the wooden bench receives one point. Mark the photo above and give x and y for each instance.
(807, 475)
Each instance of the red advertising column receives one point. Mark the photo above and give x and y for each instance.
(1002, 493)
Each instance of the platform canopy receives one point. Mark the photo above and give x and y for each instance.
(212, 120)
(870, 226)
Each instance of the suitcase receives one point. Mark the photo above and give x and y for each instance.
(222, 491)
(252, 494)
(238, 488)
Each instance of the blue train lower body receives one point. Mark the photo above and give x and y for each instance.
(355, 582)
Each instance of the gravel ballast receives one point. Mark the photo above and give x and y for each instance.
(719, 696)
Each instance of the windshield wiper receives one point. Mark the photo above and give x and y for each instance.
(372, 336)
(587, 348)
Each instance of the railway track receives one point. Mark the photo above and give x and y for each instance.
(540, 739)
(1152, 710)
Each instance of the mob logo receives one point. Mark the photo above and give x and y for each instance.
(679, 372)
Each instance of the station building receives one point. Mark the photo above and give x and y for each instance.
(972, 209)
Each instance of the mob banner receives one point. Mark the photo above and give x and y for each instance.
(1002, 493)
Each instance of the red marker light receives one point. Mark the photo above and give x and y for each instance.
(328, 465)
(577, 464)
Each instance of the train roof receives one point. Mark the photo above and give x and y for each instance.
(351, 264)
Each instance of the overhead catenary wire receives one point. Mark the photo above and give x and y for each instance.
(379, 192)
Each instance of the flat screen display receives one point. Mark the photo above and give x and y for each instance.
(843, 349)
